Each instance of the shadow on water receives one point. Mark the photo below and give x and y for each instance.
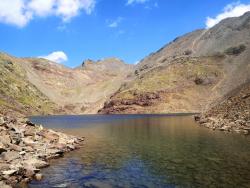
(147, 151)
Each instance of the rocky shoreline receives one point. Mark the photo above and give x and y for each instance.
(227, 125)
(25, 148)
(230, 115)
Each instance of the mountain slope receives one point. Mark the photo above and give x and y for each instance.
(17, 94)
(47, 87)
(190, 73)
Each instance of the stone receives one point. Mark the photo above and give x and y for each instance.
(197, 117)
(246, 132)
(22, 153)
(5, 139)
(28, 141)
(38, 177)
(36, 163)
(29, 131)
(30, 123)
(2, 148)
(203, 120)
(50, 136)
(225, 128)
(29, 173)
(9, 172)
(1, 120)
(231, 124)
(4, 167)
(25, 148)
(71, 147)
(15, 147)
(10, 155)
(4, 185)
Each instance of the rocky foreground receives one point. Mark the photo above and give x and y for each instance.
(231, 115)
(25, 148)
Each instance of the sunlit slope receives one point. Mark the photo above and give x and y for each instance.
(190, 73)
(17, 94)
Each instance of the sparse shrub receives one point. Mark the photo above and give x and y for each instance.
(175, 40)
(235, 50)
(136, 72)
(9, 65)
(198, 81)
(188, 52)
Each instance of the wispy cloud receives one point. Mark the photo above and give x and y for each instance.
(21, 12)
(115, 23)
(58, 57)
(129, 2)
(152, 6)
(231, 10)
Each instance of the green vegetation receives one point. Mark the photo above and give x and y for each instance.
(235, 50)
(182, 73)
(16, 90)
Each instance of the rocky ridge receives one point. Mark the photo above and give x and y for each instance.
(33, 86)
(190, 73)
(25, 148)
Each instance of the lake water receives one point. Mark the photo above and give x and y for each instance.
(147, 151)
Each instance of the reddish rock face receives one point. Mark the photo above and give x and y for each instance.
(128, 105)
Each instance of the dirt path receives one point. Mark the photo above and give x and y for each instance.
(193, 48)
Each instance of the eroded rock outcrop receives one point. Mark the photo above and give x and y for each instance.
(25, 148)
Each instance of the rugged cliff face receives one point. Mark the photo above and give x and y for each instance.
(190, 73)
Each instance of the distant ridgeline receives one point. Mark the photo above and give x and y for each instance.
(190, 74)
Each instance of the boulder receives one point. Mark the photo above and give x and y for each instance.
(28, 141)
(29, 123)
(4, 185)
(36, 163)
(29, 131)
(10, 155)
(9, 172)
(1, 120)
(38, 177)
(50, 136)
(2, 148)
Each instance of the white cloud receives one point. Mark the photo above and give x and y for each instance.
(41, 7)
(58, 57)
(136, 62)
(115, 23)
(129, 2)
(70, 8)
(21, 12)
(231, 10)
(14, 12)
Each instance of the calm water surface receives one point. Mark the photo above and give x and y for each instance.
(147, 151)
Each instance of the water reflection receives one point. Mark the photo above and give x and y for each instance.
(148, 151)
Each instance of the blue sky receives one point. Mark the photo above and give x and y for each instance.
(96, 29)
